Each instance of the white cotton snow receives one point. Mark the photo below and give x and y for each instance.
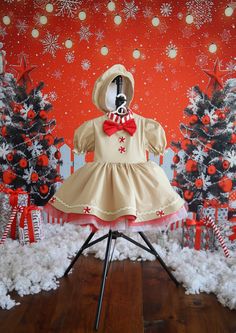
(32, 268)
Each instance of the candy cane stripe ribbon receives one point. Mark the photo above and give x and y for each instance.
(11, 219)
(209, 221)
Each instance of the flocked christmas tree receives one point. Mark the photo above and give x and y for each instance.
(205, 163)
(29, 156)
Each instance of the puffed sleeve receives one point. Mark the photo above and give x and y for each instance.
(155, 137)
(84, 138)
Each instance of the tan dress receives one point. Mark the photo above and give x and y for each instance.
(120, 189)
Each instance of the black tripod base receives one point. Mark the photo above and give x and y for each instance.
(113, 235)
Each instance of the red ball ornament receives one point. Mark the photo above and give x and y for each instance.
(191, 166)
(185, 143)
(31, 114)
(43, 114)
(225, 184)
(28, 142)
(23, 163)
(175, 183)
(43, 160)
(57, 179)
(4, 131)
(188, 195)
(233, 138)
(211, 170)
(34, 177)
(57, 154)
(43, 189)
(10, 157)
(16, 108)
(198, 183)
(208, 147)
(225, 164)
(193, 119)
(49, 138)
(221, 116)
(205, 120)
(176, 159)
(8, 176)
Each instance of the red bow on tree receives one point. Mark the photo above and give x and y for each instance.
(110, 127)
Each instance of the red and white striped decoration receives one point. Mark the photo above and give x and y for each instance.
(118, 119)
(209, 221)
(8, 226)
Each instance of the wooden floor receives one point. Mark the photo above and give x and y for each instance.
(139, 297)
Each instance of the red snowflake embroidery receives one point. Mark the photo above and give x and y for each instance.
(121, 139)
(122, 149)
(87, 210)
(160, 213)
(53, 200)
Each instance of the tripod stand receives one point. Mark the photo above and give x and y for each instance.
(114, 235)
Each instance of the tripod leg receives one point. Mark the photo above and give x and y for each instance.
(159, 258)
(83, 247)
(104, 274)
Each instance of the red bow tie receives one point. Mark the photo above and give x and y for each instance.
(110, 127)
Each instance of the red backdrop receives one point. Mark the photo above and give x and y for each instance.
(163, 84)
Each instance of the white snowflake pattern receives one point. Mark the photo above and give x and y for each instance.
(3, 32)
(40, 3)
(52, 96)
(5, 149)
(57, 74)
(201, 11)
(171, 47)
(130, 10)
(43, 99)
(83, 84)
(191, 93)
(27, 174)
(201, 60)
(99, 35)
(166, 9)
(231, 66)
(199, 154)
(37, 19)
(84, 33)
(225, 36)
(194, 104)
(206, 181)
(147, 12)
(36, 148)
(50, 44)
(69, 57)
(159, 67)
(67, 7)
(21, 26)
(85, 64)
(231, 158)
(25, 109)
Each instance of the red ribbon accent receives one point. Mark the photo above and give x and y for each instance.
(111, 127)
(214, 203)
(26, 215)
(14, 195)
(198, 225)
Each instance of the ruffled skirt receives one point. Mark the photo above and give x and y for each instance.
(118, 196)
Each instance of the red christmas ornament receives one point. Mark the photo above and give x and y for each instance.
(43, 160)
(10, 157)
(176, 159)
(211, 170)
(16, 108)
(43, 189)
(233, 138)
(4, 131)
(43, 114)
(205, 120)
(225, 184)
(193, 119)
(57, 179)
(57, 154)
(8, 176)
(215, 82)
(188, 195)
(31, 114)
(175, 183)
(221, 116)
(198, 183)
(191, 166)
(208, 146)
(34, 177)
(49, 138)
(185, 143)
(225, 164)
(28, 141)
(23, 163)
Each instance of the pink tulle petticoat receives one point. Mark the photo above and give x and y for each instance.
(121, 224)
